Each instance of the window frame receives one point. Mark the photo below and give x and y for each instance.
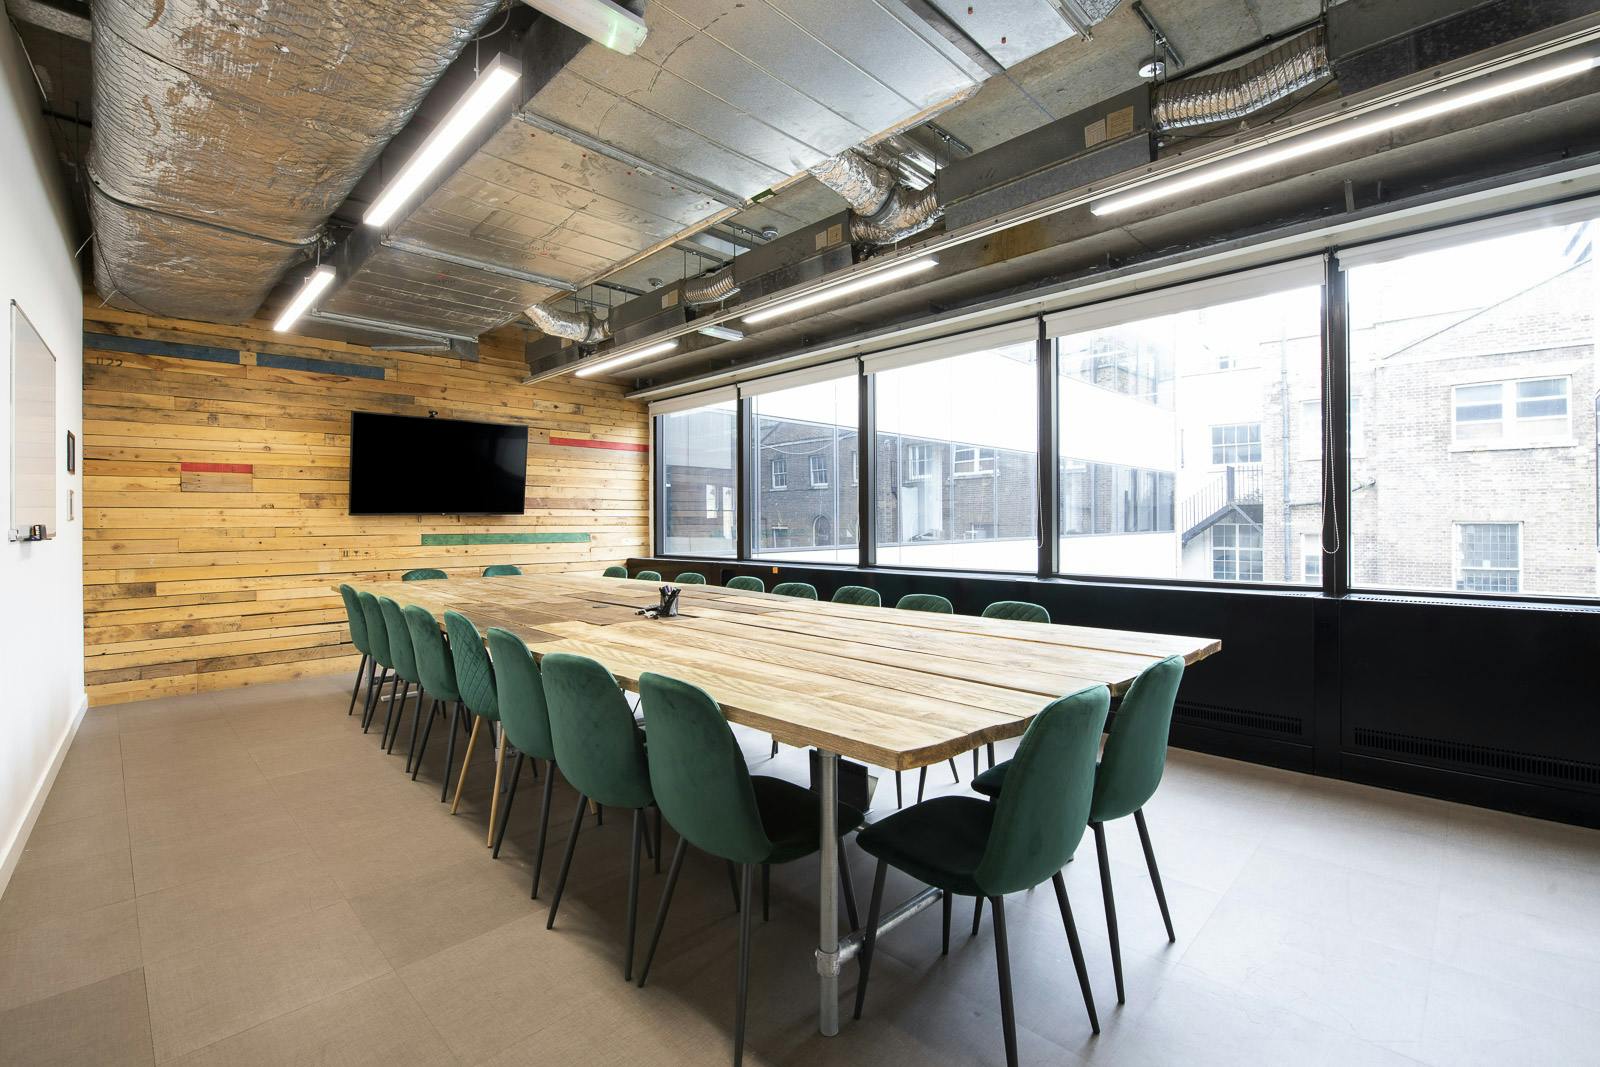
(1516, 431)
(812, 463)
(1458, 567)
(778, 464)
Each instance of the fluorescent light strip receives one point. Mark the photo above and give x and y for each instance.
(723, 333)
(630, 357)
(319, 280)
(882, 277)
(493, 83)
(601, 21)
(1344, 133)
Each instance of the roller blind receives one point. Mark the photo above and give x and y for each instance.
(690, 401)
(956, 345)
(1210, 292)
(826, 372)
(1468, 232)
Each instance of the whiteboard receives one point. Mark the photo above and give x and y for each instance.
(33, 430)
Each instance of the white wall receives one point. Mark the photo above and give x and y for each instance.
(41, 585)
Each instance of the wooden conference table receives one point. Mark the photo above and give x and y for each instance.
(895, 689)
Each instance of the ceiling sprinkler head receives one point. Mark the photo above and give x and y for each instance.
(1153, 69)
(655, 283)
(769, 232)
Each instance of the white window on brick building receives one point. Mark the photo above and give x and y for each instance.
(973, 460)
(780, 472)
(1489, 557)
(1311, 558)
(1236, 552)
(1524, 412)
(1236, 443)
(819, 472)
(919, 462)
(711, 501)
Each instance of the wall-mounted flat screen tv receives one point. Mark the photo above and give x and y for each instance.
(400, 465)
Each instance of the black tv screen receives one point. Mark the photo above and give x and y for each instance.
(400, 465)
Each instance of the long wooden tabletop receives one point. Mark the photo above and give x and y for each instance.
(897, 689)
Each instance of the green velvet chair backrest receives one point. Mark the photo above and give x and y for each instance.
(501, 570)
(1136, 749)
(698, 774)
(434, 665)
(859, 595)
(357, 618)
(748, 582)
(399, 636)
(377, 633)
(690, 578)
(1016, 611)
(1041, 814)
(615, 571)
(803, 590)
(423, 574)
(474, 672)
(523, 713)
(926, 602)
(648, 576)
(599, 748)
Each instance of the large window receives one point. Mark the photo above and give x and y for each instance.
(942, 424)
(808, 429)
(1473, 362)
(695, 457)
(1205, 463)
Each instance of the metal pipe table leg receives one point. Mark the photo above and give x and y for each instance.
(828, 897)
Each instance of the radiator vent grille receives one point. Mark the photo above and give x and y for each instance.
(1446, 602)
(1479, 757)
(1239, 718)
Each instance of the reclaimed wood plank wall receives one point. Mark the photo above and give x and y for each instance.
(215, 502)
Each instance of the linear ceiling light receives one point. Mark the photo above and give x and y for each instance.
(626, 358)
(319, 280)
(882, 277)
(1441, 101)
(493, 83)
(723, 333)
(602, 21)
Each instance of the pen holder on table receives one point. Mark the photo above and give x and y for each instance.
(668, 608)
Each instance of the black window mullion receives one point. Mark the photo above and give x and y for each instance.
(1049, 462)
(746, 473)
(1335, 435)
(866, 471)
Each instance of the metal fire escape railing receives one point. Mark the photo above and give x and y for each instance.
(1233, 490)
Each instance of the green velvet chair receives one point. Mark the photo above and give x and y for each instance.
(615, 571)
(690, 578)
(525, 718)
(748, 582)
(859, 595)
(1016, 611)
(501, 570)
(600, 749)
(699, 779)
(438, 674)
(475, 682)
(964, 846)
(1129, 771)
(925, 602)
(357, 621)
(405, 665)
(381, 671)
(648, 576)
(423, 574)
(800, 590)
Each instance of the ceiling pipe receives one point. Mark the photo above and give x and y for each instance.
(1298, 63)
(580, 326)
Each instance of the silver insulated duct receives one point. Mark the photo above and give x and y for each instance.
(226, 131)
(883, 211)
(1297, 63)
(579, 326)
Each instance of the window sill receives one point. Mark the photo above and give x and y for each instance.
(1512, 446)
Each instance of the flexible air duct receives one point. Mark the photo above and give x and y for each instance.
(226, 131)
(579, 326)
(1295, 64)
(711, 289)
(883, 210)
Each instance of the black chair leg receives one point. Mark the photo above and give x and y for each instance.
(658, 841)
(1099, 829)
(401, 717)
(416, 722)
(945, 902)
(874, 910)
(1155, 875)
(774, 747)
(505, 809)
(766, 891)
(566, 862)
(666, 902)
(1002, 956)
(744, 964)
(391, 718)
(1077, 949)
(922, 780)
(977, 914)
(954, 772)
(544, 824)
(360, 671)
(374, 688)
(450, 752)
(990, 747)
(974, 763)
(733, 884)
(899, 800)
(633, 894)
(849, 886)
(422, 746)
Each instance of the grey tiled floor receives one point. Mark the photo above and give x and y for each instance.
(243, 878)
